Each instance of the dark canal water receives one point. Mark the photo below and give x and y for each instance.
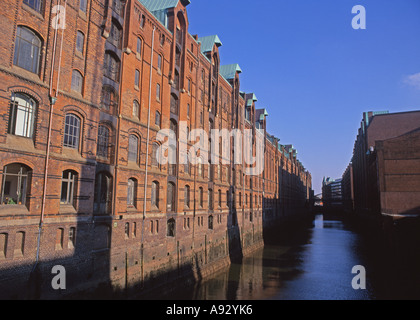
(307, 263)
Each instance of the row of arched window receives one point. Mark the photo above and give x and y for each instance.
(16, 185)
(22, 115)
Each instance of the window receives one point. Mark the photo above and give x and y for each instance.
(68, 187)
(157, 118)
(34, 4)
(83, 5)
(80, 42)
(171, 228)
(152, 229)
(72, 237)
(59, 239)
(188, 110)
(3, 244)
(71, 131)
(172, 151)
(220, 198)
(131, 193)
(136, 109)
(155, 155)
(103, 142)
(158, 92)
(77, 82)
(187, 167)
(101, 236)
(22, 115)
(103, 193)
(159, 64)
(15, 184)
(162, 40)
(137, 79)
(187, 196)
(19, 243)
(171, 197)
(27, 50)
(211, 222)
(133, 147)
(174, 104)
(142, 21)
(134, 232)
(112, 66)
(127, 230)
(115, 34)
(109, 99)
(200, 197)
(155, 194)
(200, 167)
(189, 86)
(139, 46)
(210, 199)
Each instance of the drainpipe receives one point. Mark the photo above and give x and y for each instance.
(53, 99)
(147, 151)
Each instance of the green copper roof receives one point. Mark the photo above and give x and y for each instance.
(207, 43)
(263, 114)
(251, 98)
(229, 71)
(157, 5)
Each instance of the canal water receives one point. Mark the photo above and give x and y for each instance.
(303, 263)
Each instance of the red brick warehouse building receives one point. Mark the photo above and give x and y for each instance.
(80, 182)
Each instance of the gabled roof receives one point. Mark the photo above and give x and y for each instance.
(251, 99)
(157, 5)
(229, 71)
(261, 113)
(208, 42)
(159, 8)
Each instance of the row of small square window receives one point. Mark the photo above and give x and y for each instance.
(20, 239)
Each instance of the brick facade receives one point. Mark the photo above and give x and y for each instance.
(99, 220)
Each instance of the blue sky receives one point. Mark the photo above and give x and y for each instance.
(313, 72)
